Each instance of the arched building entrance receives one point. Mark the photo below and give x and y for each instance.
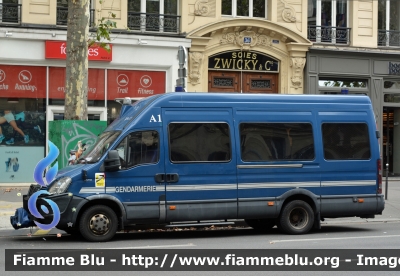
(246, 55)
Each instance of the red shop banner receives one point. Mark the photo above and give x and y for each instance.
(134, 84)
(57, 50)
(22, 81)
(96, 78)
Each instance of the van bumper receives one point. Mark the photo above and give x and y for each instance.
(381, 204)
(67, 203)
(365, 206)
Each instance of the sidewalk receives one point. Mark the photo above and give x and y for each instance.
(11, 199)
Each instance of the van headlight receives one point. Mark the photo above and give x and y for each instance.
(60, 185)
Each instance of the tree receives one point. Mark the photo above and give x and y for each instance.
(78, 42)
(76, 81)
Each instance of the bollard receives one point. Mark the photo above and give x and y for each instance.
(386, 184)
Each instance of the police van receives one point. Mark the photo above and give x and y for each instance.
(196, 159)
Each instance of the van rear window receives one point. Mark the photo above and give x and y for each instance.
(276, 141)
(199, 142)
(344, 141)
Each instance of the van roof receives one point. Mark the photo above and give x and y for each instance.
(204, 97)
(236, 100)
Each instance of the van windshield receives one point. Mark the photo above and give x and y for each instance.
(97, 150)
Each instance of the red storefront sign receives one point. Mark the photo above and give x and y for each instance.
(22, 81)
(124, 83)
(57, 50)
(96, 78)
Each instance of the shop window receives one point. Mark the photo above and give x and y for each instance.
(391, 98)
(339, 83)
(276, 141)
(30, 118)
(249, 8)
(391, 85)
(99, 103)
(199, 142)
(346, 141)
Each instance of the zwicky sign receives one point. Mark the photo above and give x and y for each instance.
(245, 61)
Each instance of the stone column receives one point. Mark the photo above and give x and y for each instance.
(195, 62)
(297, 61)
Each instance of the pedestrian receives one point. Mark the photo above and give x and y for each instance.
(9, 117)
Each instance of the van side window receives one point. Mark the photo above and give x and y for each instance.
(199, 142)
(343, 141)
(141, 147)
(276, 141)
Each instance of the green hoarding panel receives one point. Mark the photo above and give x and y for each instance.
(68, 135)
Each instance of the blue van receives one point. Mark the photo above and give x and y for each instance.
(192, 159)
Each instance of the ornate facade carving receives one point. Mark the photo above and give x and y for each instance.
(196, 59)
(288, 13)
(204, 8)
(297, 64)
(238, 38)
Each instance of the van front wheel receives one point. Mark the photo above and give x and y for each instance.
(297, 217)
(98, 223)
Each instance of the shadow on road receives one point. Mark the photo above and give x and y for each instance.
(189, 235)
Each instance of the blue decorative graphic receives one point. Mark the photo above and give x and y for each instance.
(44, 163)
(50, 175)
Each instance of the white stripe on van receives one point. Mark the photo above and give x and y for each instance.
(278, 185)
(245, 186)
(91, 190)
(205, 187)
(348, 183)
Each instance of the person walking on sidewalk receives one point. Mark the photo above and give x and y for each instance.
(9, 117)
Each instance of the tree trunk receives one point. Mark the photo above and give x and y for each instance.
(76, 81)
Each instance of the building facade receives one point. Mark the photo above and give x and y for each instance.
(254, 46)
(246, 46)
(143, 61)
(356, 47)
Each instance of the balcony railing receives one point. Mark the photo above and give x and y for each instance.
(10, 13)
(388, 38)
(333, 35)
(62, 16)
(147, 22)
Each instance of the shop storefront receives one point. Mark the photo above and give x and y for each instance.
(247, 55)
(32, 88)
(375, 74)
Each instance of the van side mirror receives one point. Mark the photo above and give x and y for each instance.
(112, 162)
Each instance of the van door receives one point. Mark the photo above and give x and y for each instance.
(277, 154)
(134, 184)
(200, 169)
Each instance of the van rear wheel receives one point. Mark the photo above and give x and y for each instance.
(99, 223)
(297, 217)
(261, 224)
